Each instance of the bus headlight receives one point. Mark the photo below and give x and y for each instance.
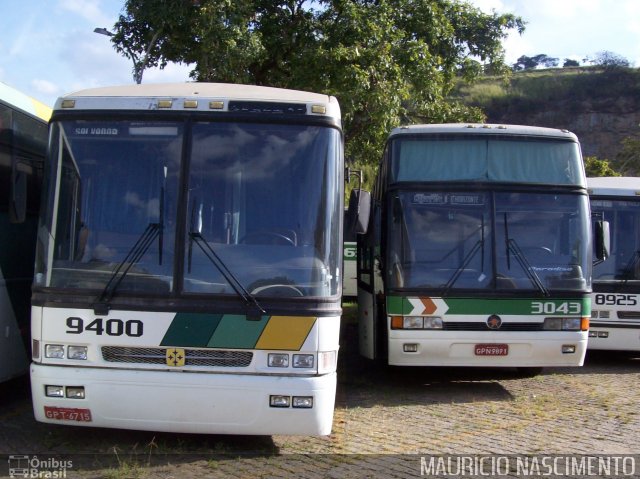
(303, 360)
(562, 324)
(412, 322)
(278, 360)
(416, 322)
(432, 322)
(55, 351)
(77, 352)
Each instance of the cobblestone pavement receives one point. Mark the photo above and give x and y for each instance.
(386, 422)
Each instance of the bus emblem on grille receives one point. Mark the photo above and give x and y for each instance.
(494, 322)
(175, 357)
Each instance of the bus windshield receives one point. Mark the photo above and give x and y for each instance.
(156, 198)
(481, 240)
(494, 159)
(623, 264)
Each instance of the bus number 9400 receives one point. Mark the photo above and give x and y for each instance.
(616, 299)
(110, 327)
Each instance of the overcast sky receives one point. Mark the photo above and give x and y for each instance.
(48, 48)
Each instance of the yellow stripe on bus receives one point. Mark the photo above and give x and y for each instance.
(285, 332)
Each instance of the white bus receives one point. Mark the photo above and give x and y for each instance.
(478, 249)
(615, 315)
(188, 260)
(23, 143)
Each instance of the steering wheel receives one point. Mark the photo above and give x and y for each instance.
(280, 290)
(266, 237)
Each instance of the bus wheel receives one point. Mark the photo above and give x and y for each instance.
(528, 372)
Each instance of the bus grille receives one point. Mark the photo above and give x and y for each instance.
(193, 357)
(482, 326)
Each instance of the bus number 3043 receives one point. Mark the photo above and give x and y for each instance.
(110, 327)
(570, 307)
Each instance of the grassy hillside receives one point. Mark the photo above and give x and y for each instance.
(602, 106)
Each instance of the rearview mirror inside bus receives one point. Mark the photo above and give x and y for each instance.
(602, 240)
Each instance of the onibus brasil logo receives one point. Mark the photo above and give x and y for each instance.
(34, 467)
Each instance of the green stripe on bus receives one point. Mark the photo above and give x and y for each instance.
(235, 331)
(400, 305)
(541, 306)
(191, 330)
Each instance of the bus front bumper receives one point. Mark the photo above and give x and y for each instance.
(489, 350)
(184, 402)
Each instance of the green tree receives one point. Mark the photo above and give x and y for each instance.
(387, 61)
(628, 159)
(595, 167)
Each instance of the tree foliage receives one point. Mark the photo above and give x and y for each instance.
(608, 60)
(568, 62)
(387, 61)
(595, 167)
(627, 161)
(530, 63)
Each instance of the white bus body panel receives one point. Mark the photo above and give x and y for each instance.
(187, 402)
(529, 350)
(189, 399)
(607, 331)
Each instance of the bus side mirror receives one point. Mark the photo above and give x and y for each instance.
(358, 211)
(602, 241)
(18, 194)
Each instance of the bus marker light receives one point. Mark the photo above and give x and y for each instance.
(397, 322)
(35, 349)
(77, 352)
(54, 391)
(603, 334)
(75, 392)
(584, 324)
(303, 402)
(303, 360)
(216, 105)
(55, 351)
(410, 348)
(278, 360)
(68, 104)
(327, 361)
(568, 349)
(279, 401)
(320, 109)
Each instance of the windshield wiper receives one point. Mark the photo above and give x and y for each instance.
(152, 231)
(479, 245)
(240, 290)
(465, 262)
(628, 272)
(512, 247)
